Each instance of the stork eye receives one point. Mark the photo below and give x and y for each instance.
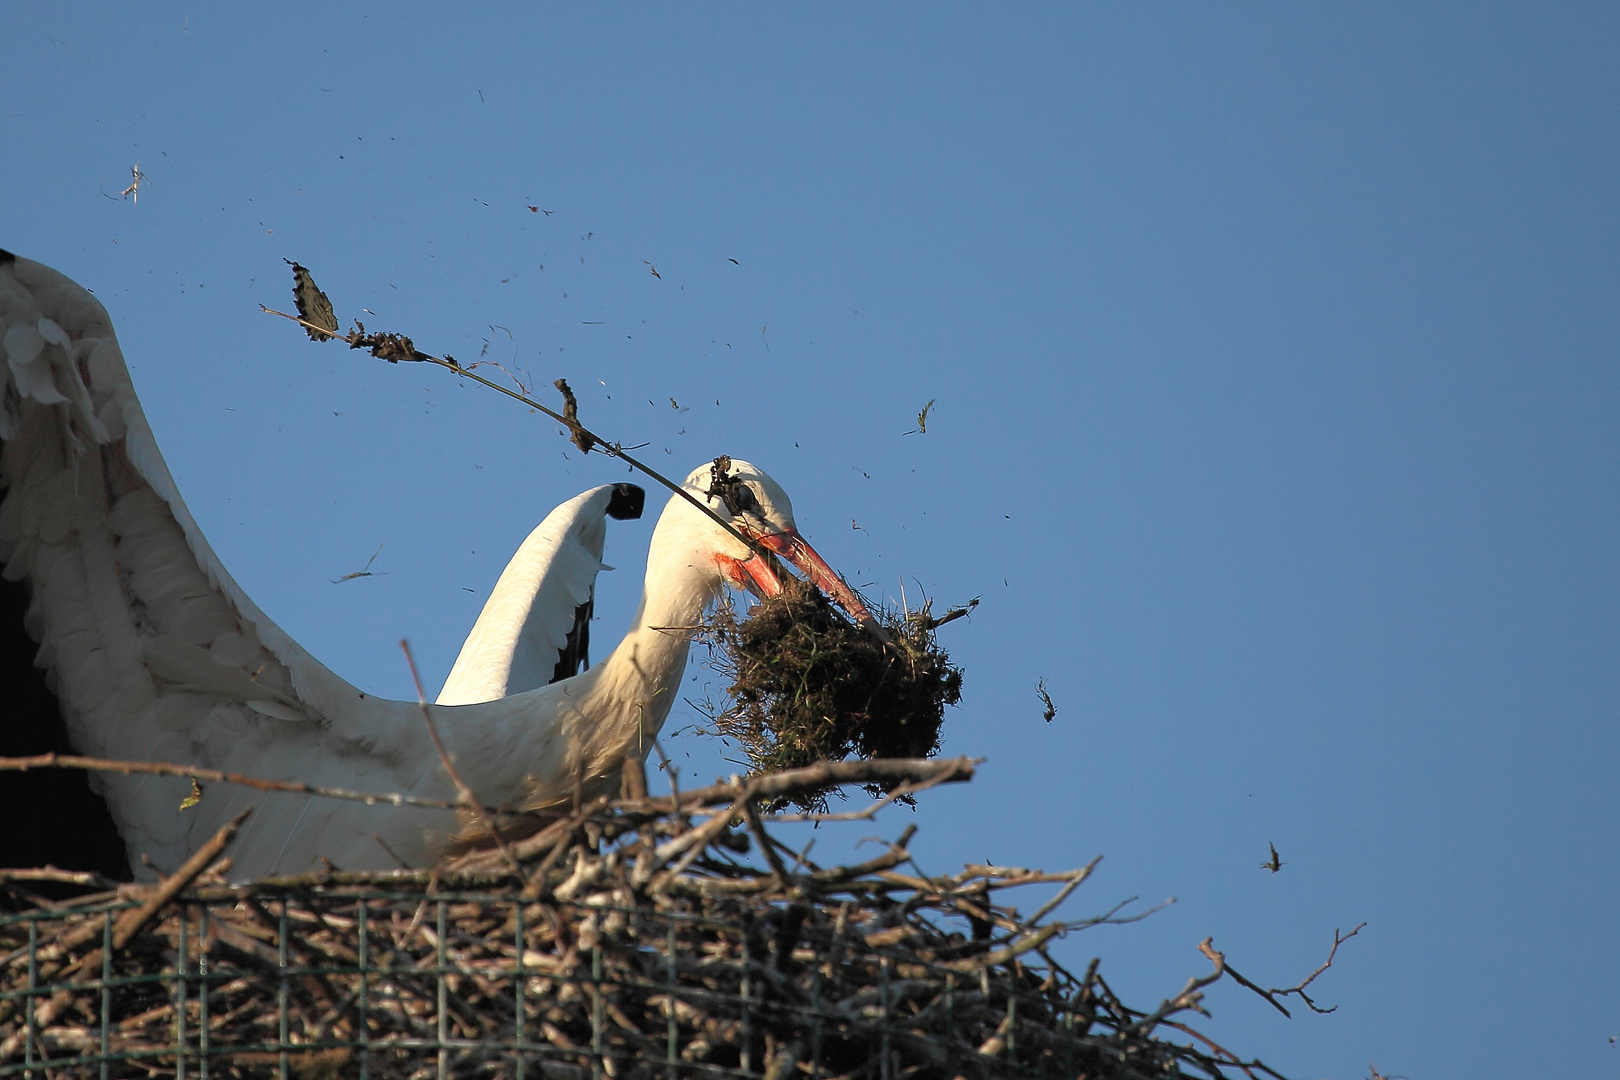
(737, 496)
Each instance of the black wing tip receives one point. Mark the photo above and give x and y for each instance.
(627, 502)
(6, 257)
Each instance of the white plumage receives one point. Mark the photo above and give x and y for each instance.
(155, 653)
(539, 610)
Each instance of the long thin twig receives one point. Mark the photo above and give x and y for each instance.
(724, 797)
(901, 792)
(1073, 883)
(674, 783)
(396, 348)
(213, 776)
(766, 848)
(1226, 1056)
(1274, 993)
(130, 924)
(468, 799)
(63, 877)
(1300, 988)
(823, 773)
(1191, 996)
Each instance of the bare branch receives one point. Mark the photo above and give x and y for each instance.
(767, 848)
(1226, 1056)
(397, 348)
(950, 616)
(1074, 882)
(64, 877)
(1300, 988)
(880, 770)
(1274, 993)
(1191, 996)
(214, 776)
(902, 792)
(468, 799)
(130, 924)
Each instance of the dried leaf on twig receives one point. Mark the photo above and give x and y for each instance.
(320, 323)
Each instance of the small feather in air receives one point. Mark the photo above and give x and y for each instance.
(922, 418)
(313, 306)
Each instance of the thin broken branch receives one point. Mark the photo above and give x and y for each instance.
(88, 878)
(397, 348)
(131, 922)
(468, 798)
(1207, 948)
(215, 776)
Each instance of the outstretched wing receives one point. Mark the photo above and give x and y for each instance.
(153, 651)
(535, 628)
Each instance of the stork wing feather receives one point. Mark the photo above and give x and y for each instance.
(153, 651)
(534, 629)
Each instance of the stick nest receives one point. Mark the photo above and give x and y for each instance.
(806, 685)
(629, 941)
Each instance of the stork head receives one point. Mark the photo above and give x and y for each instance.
(746, 498)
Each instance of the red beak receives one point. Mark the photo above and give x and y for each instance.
(792, 547)
(754, 574)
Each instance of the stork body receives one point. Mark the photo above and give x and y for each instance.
(155, 653)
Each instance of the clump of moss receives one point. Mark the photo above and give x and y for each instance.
(807, 685)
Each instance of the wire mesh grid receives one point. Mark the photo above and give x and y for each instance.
(437, 984)
(625, 939)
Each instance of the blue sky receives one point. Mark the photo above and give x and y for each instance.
(1276, 412)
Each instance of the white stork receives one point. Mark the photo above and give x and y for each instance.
(156, 654)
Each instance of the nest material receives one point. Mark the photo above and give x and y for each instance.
(632, 943)
(806, 685)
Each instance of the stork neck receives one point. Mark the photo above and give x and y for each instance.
(643, 674)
